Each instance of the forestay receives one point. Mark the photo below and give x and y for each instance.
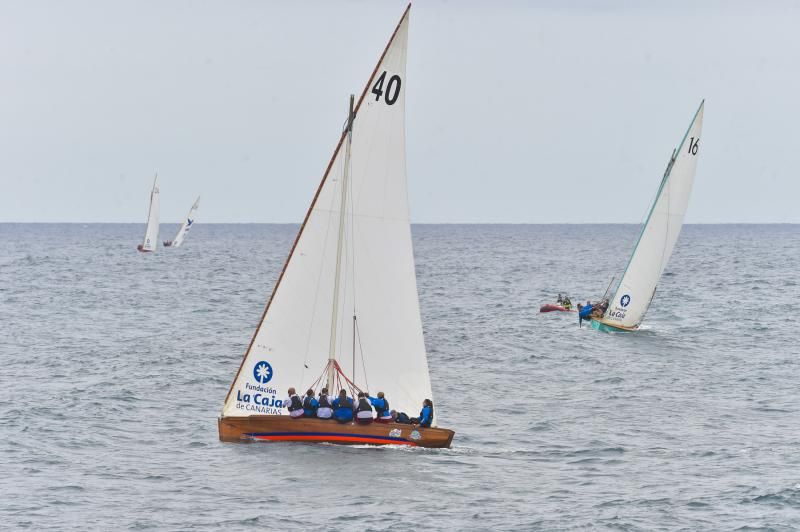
(659, 233)
(151, 233)
(377, 280)
(187, 224)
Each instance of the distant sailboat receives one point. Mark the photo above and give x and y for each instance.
(658, 236)
(151, 233)
(187, 224)
(344, 311)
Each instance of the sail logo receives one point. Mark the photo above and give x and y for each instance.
(263, 372)
(625, 300)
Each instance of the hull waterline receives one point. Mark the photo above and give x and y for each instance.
(283, 428)
(600, 325)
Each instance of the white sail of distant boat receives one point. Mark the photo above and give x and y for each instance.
(658, 236)
(151, 233)
(187, 224)
(346, 301)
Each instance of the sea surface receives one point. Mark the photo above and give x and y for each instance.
(114, 366)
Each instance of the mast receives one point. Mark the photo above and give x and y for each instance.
(340, 243)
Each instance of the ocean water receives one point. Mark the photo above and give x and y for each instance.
(115, 365)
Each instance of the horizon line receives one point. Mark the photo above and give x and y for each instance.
(411, 223)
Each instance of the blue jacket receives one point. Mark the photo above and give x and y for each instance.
(343, 410)
(310, 406)
(381, 405)
(425, 416)
(585, 311)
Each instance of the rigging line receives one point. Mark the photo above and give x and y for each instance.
(316, 290)
(319, 379)
(668, 192)
(335, 342)
(353, 264)
(354, 348)
(343, 376)
(361, 350)
(347, 285)
(369, 153)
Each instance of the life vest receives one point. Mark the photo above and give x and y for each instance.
(295, 403)
(382, 411)
(430, 419)
(323, 401)
(363, 405)
(340, 403)
(307, 403)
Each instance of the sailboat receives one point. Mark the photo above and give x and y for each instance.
(187, 224)
(657, 239)
(151, 233)
(344, 312)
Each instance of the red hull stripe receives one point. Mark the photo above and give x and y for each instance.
(322, 437)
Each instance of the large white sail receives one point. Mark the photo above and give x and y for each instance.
(659, 233)
(377, 280)
(151, 233)
(187, 224)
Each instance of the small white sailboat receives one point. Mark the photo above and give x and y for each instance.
(658, 236)
(184, 230)
(344, 311)
(151, 232)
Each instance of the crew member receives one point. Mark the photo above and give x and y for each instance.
(343, 408)
(425, 415)
(294, 404)
(381, 405)
(324, 409)
(567, 304)
(310, 404)
(560, 300)
(600, 310)
(363, 409)
(585, 311)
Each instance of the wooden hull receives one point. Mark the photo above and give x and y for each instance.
(284, 428)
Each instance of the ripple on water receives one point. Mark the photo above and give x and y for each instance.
(115, 366)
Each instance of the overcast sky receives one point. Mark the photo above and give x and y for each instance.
(538, 112)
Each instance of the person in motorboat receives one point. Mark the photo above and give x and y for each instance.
(343, 408)
(566, 303)
(425, 415)
(560, 300)
(381, 405)
(363, 409)
(324, 408)
(294, 404)
(310, 404)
